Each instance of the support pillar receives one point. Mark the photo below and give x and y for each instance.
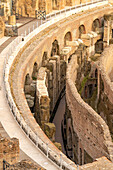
(107, 19)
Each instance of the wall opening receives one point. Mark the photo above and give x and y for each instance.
(68, 37)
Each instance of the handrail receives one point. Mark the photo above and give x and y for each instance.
(8, 63)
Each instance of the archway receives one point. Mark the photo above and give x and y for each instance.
(96, 25)
(99, 46)
(27, 79)
(35, 71)
(68, 37)
(82, 30)
(55, 48)
(44, 59)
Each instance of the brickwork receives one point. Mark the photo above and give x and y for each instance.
(94, 125)
(25, 60)
(9, 150)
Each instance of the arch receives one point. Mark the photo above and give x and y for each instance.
(67, 37)
(44, 59)
(35, 71)
(27, 79)
(96, 25)
(99, 46)
(82, 30)
(55, 48)
(27, 84)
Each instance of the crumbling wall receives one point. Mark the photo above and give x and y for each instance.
(106, 97)
(9, 150)
(91, 129)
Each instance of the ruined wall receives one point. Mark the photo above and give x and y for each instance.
(33, 52)
(9, 150)
(105, 66)
(28, 7)
(91, 129)
(2, 28)
(5, 6)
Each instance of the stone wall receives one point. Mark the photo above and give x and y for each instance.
(91, 129)
(28, 7)
(2, 27)
(25, 60)
(9, 150)
(106, 67)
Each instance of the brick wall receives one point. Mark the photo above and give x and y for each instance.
(89, 126)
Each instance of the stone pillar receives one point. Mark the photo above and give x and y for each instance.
(53, 62)
(12, 20)
(2, 27)
(60, 4)
(42, 103)
(107, 19)
(98, 85)
(49, 129)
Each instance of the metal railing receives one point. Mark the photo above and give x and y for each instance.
(56, 157)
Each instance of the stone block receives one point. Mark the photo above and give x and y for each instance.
(58, 145)
(12, 20)
(49, 129)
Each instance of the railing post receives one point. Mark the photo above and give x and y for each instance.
(29, 30)
(60, 160)
(36, 140)
(25, 33)
(41, 21)
(47, 149)
(37, 24)
(33, 27)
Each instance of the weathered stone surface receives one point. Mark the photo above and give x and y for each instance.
(2, 27)
(9, 150)
(49, 129)
(58, 145)
(25, 165)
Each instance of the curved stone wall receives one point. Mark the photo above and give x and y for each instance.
(23, 61)
(90, 127)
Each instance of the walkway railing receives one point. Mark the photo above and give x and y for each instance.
(57, 158)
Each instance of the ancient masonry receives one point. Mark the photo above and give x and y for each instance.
(73, 56)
